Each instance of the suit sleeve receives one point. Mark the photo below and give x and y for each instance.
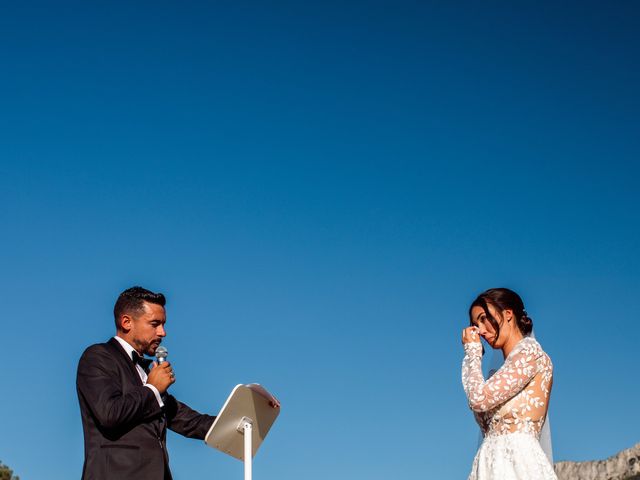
(184, 420)
(99, 383)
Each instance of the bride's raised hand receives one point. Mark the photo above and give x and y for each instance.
(470, 335)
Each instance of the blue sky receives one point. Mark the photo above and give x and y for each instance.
(331, 183)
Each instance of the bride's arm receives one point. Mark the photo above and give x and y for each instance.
(517, 371)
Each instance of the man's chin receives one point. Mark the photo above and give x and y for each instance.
(151, 349)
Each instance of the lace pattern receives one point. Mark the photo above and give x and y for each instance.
(516, 397)
(517, 456)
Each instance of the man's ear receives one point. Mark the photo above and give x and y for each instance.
(126, 322)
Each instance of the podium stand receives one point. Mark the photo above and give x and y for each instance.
(242, 424)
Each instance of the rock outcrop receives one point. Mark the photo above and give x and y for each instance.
(622, 466)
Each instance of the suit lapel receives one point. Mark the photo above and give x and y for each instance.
(123, 357)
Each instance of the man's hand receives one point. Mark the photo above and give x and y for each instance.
(161, 376)
(273, 401)
(470, 335)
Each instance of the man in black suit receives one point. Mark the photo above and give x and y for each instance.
(125, 406)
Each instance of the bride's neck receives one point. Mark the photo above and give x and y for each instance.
(514, 338)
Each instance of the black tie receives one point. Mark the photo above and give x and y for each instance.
(143, 362)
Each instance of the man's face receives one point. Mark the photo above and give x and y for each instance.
(147, 328)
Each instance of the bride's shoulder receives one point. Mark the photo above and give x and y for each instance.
(528, 351)
(529, 346)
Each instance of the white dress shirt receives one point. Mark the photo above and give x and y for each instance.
(143, 375)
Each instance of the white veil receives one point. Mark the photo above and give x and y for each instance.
(491, 367)
(545, 434)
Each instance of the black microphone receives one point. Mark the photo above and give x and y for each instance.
(161, 354)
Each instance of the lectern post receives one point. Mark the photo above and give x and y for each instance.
(246, 428)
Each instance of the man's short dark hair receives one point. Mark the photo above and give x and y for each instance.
(131, 302)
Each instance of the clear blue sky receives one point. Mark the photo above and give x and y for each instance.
(332, 183)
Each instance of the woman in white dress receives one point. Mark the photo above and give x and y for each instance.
(511, 406)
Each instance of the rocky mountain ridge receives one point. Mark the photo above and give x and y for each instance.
(624, 465)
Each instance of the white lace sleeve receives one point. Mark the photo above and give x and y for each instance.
(518, 370)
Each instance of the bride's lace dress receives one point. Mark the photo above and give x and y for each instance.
(511, 408)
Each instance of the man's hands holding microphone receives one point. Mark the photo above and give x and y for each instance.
(161, 376)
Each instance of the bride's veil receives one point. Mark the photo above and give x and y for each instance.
(545, 434)
(491, 367)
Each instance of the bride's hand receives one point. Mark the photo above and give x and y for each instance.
(470, 335)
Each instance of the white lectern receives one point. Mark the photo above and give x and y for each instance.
(243, 423)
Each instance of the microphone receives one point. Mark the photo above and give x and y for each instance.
(161, 354)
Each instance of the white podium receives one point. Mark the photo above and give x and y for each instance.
(243, 423)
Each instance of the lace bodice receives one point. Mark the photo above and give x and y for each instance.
(516, 397)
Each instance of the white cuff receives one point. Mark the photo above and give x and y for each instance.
(156, 393)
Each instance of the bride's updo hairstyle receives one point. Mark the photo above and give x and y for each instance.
(503, 299)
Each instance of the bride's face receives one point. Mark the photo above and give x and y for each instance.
(487, 331)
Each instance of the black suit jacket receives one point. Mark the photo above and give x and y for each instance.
(124, 427)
